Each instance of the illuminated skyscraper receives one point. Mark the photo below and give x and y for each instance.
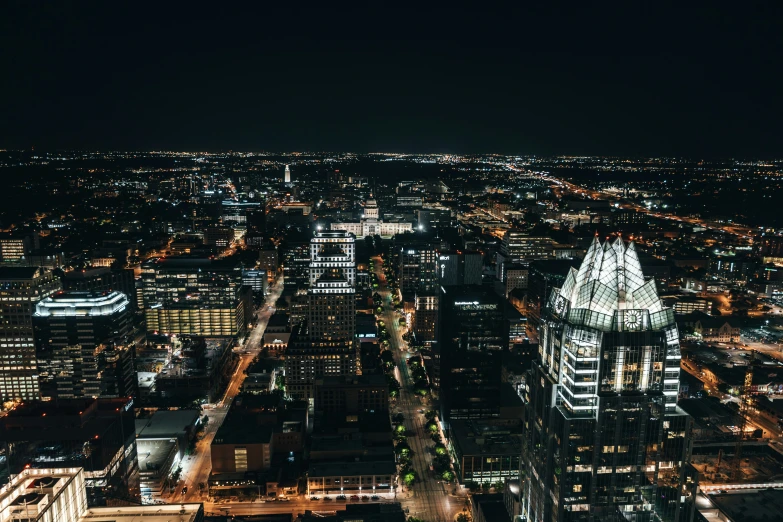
(84, 345)
(472, 334)
(21, 288)
(605, 439)
(333, 249)
(287, 176)
(327, 346)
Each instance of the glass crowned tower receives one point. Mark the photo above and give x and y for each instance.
(605, 437)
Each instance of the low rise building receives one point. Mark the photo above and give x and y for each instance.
(484, 453)
(351, 394)
(684, 305)
(278, 332)
(385, 512)
(262, 435)
(714, 329)
(351, 478)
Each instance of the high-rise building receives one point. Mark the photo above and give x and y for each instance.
(325, 345)
(605, 439)
(351, 395)
(195, 296)
(520, 247)
(218, 236)
(287, 175)
(331, 311)
(16, 249)
(96, 434)
(460, 268)
(435, 217)
(84, 345)
(102, 280)
(516, 277)
(425, 317)
(306, 360)
(295, 258)
(769, 245)
(333, 249)
(21, 288)
(418, 268)
(472, 336)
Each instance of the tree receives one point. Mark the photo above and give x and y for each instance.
(403, 449)
(448, 476)
(387, 357)
(409, 478)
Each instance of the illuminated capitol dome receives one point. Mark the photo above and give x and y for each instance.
(371, 224)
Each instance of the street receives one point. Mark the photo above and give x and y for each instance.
(196, 467)
(429, 499)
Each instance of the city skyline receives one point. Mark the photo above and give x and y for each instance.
(330, 263)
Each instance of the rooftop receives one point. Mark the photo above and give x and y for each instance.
(19, 272)
(166, 424)
(72, 304)
(157, 513)
(28, 486)
(331, 469)
(475, 438)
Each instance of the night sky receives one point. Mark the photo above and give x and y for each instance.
(146, 76)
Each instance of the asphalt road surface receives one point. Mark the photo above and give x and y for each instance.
(196, 467)
(429, 498)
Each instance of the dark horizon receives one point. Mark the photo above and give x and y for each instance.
(625, 81)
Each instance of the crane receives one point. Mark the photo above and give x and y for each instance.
(743, 412)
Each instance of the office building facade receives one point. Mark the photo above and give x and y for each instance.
(194, 296)
(604, 437)
(459, 268)
(472, 336)
(21, 288)
(333, 250)
(84, 345)
(520, 247)
(326, 343)
(331, 310)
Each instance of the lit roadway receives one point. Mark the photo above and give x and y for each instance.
(430, 499)
(196, 467)
(770, 429)
(736, 230)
